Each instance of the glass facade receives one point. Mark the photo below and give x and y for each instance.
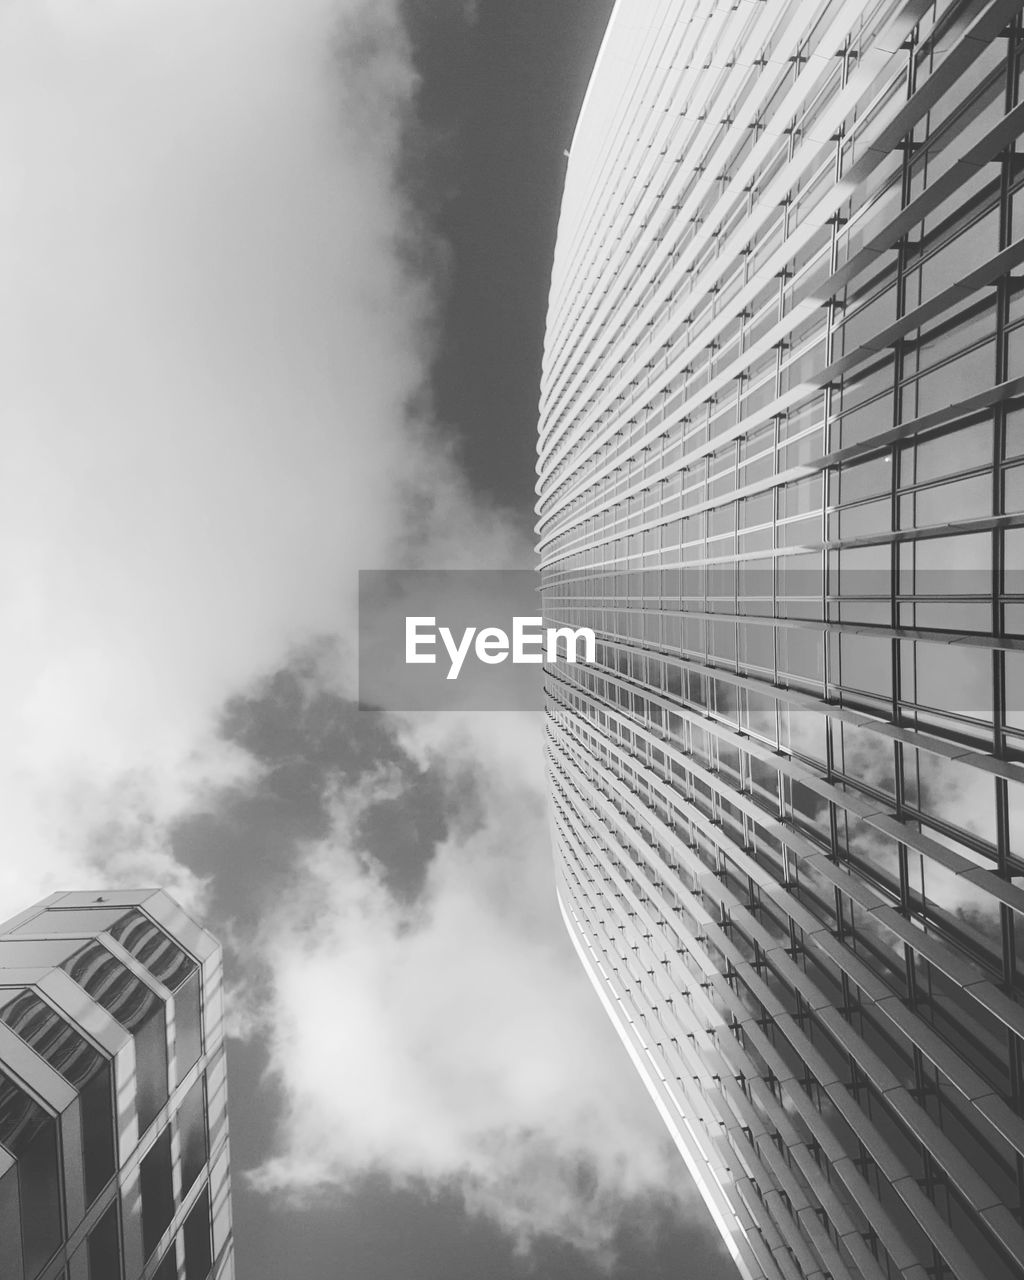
(114, 1157)
(781, 467)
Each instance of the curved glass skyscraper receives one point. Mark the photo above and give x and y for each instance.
(781, 471)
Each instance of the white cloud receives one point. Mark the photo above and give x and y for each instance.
(211, 346)
(456, 1040)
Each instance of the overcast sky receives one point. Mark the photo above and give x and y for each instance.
(274, 275)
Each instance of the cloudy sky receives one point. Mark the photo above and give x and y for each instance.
(272, 301)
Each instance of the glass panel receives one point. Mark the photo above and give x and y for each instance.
(874, 855)
(136, 1008)
(876, 945)
(188, 1024)
(969, 497)
(862, 663)
(952, 680)
(168, 1268)
(157, 1192)
(85, 1068)
(30, 1135)
(942, 575)
(98, 1132)
(9, 1261)
(865, 757)
(148, 943)
(800, 653)
(151, 1067)
(198, 1255)
(949, 454)
(964, 913)
(192, 1134)
(963, 798)
(804, 733)
(968, 1027)
(104, 1248)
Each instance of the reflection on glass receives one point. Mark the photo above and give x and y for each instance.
(137, 1009)
(958, 910)
(157, 1192)
(192, 1134)
(104, 1247)
(963, 1023)
(168, 1268)
(30, 1135)
(188, 1024)
(84, 1068)
(198, 1253)
(148, 943)
(151, 1066)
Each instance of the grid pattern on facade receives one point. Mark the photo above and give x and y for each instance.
(781, 471)
(114, 1158)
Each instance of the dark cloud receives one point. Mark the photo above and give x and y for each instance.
(309, 743)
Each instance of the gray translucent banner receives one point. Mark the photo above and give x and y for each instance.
(402, 606)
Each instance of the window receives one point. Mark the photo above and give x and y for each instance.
(151, 1066)
(861, 665)
(84, 1067)
(104, 1247)
(30, 1135)
(965, 1024)
(138, 1009)
(198, 1254)
(192, 1134)
(148, 943)
(100, 1157)
(864, 758)
(176, 970)
(168, 1268)
(800, 655)
(948, 683)
(188, 1029)
(157, 1192)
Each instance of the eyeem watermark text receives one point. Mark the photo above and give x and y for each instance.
(465, 639)
(530, 642)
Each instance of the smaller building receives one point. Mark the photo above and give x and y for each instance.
(114, 1156)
